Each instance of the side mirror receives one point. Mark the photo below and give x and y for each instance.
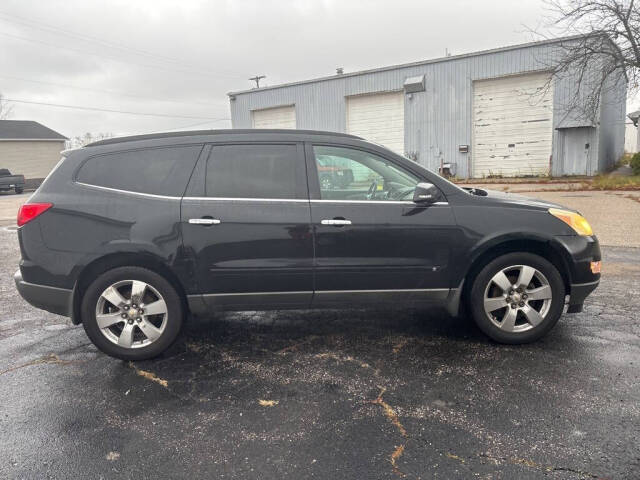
(426, 193)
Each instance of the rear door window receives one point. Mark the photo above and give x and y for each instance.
(158, 171)
(256, 171)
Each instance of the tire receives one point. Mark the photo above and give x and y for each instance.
(141, 334)
(19, 190)
(532, 318)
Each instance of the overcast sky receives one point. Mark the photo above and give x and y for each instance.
(180, 58)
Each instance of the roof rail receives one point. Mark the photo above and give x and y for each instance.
(230, 131)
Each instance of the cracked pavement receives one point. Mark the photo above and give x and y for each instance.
(337, 394)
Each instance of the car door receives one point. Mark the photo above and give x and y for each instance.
(372, 242)
(246, 227)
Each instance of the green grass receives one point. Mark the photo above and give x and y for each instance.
(607, 182)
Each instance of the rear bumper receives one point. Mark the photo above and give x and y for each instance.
(52, 299)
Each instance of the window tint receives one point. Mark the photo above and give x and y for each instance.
(350, 174)
(159, 171)
(253, 171)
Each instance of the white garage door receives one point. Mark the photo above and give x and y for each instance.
(279, 117)
(378, 118)
(512, 126)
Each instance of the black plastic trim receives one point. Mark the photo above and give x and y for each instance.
(52, 299)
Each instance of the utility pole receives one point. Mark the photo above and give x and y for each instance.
(257, 79)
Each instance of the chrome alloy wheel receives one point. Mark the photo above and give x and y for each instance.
(517, 298)
(131, 314)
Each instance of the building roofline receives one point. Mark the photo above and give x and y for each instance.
(229, 131)
(33, 139)
(410, 64)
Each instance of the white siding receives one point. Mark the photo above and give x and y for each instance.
(512, 125)
(33, 159)
(378, 118)
(630, 138)
(279, 117)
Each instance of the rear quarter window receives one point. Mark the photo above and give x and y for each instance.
(157, 171)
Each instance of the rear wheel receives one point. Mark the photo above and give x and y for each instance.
(132, 313)
(517, 298)
(19, 190)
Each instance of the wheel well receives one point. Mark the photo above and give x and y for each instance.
(115, 260)
(543, 249)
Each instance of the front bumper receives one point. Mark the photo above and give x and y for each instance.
(580, 291)
(52, 299)
(579, 252)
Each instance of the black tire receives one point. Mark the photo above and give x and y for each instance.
(483, 279)
(19, 190)
(174, 317)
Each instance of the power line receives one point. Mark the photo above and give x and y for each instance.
(29, 23)
(84, 52)
(111, 92)
(97, 109)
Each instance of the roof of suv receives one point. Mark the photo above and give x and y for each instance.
(194, 133)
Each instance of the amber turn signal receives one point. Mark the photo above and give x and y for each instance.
(596, 267)
(574, 220)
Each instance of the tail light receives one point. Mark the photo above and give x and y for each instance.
(29, 211)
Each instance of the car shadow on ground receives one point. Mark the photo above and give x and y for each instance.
(266, 352)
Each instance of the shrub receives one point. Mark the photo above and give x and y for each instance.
(635, 164)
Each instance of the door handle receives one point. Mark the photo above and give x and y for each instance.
(336, 221)
(204, 221)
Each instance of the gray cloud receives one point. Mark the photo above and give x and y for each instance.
(199, 50)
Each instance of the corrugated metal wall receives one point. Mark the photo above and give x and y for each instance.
(437, 120)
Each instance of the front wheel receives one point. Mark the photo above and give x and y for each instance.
(132, 313)
(19, 190)
(517, 298)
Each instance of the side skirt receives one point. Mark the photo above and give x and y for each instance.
(202, 304)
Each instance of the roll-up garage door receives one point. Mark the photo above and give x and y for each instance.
(512, 126)
(278, 117)
(378, 118)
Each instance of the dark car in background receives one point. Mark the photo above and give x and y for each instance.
(11, 182)
(331, 174)
(128, 236)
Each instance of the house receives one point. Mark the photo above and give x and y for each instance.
(29, 148)
(491, 113)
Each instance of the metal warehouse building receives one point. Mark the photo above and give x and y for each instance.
(489, 113)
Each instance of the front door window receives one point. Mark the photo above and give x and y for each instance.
(350, 174)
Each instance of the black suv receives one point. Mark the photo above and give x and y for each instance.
(127, 236)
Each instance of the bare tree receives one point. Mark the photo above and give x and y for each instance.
(602, 52)
(88, 137)
(6, 109)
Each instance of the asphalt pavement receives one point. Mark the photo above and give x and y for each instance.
(338, 394)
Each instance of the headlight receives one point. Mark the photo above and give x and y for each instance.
(574, 220)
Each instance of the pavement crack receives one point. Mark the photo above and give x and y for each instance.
(47, 359)
(392, 416)
(149, 375)
(537, 466)
(397, 453)
(455, 457)
(294, 347)
(389, 412)
(399, 344)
